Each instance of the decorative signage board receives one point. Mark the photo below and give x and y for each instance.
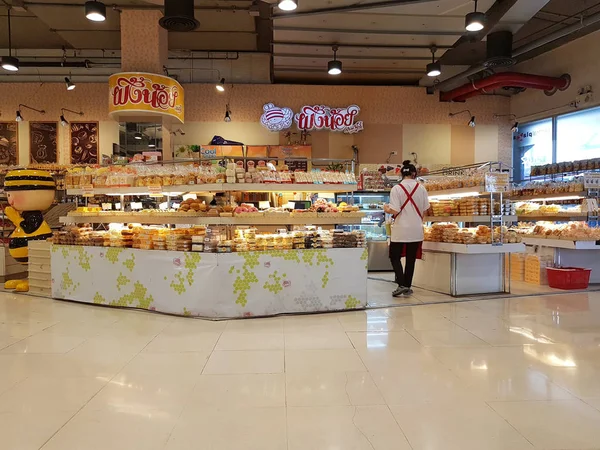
(145, 94)
(84, 142)
(317, 117)
(42, 141)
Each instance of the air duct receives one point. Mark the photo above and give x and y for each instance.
(179, 16)
(506, 79)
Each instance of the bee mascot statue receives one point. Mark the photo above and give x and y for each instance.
(29, 192)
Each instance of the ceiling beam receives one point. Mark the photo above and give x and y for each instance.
(350, 8)
(382, 32)
(374, 46)
(347, 70)
(492, 17)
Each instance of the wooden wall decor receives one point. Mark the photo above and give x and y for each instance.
(9, 149)
(42, 146)
(84, 142)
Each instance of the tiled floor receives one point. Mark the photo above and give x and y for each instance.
(510, 374)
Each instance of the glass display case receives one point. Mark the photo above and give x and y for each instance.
(373, 224)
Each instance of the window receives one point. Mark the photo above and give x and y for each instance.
(578, 135)
(532, 146)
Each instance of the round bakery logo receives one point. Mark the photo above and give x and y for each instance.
(275, 118)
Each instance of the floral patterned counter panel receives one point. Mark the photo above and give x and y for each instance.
(212, 285)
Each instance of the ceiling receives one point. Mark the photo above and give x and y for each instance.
(380, 41)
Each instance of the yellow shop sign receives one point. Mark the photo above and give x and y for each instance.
(145, 94)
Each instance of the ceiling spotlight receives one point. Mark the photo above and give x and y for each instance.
(434, 68)
(70, 84)
(227, 117)
(474, 21)
(334, 67)
(19, 117)
(64, 122)
(9, 62)
(137, 136)
(95, 11)
(287, 5)
(515, 128)
(472, 122)
(221, 85)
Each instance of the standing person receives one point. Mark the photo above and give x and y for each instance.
(408, 204)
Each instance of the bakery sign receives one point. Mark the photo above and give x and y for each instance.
(317, 117)
(145, 94)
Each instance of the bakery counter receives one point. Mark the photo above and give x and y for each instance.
(228, 285)
(461, 269)
(571, 253)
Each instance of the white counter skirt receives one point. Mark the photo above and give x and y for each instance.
(212, 285)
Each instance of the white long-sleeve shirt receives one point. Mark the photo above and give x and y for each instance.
(408, 225)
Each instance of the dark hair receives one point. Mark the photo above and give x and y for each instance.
(408, 168)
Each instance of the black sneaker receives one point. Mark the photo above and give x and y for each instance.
(400, 290)
(407, 291)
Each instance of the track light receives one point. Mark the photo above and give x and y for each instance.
(471, 122)
(334, 67)
(227, 117)
(19, 116)
(9, 62)
(515, 127)
(95, 11)
(70, 84)
(221, 85)
(138, 136)
(434, 68)
(64, 122)
(287, 5)
(474, 21)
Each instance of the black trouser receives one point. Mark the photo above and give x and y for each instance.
(404, 278)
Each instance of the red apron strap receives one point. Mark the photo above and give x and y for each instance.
(409, 198)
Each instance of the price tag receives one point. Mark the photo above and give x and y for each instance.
(87, 190)
(497, 182)
(591, 180)
(155, 190)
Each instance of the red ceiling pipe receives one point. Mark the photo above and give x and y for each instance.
(512, 79)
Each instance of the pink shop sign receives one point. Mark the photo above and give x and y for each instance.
(317, 117)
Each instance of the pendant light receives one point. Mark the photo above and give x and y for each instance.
(95, 11)
(221, 85)
(474, 21)
(287, 5)
(70, 84)
(9, 62)
(434, 68)
(137, 136)
(334, 67)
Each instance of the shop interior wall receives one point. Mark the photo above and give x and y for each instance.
(579, 59)
(401, 119)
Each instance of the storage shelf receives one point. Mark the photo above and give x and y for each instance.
(481, 219)
(222, 187)
(559, 218)
(180, 219)
(473, 249)
(562, 243)
(542, 197)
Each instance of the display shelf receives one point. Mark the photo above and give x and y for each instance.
(482, 219)
(549, 197)
(555, 218)
(458, 192)
(568, 244)
(179, 219)
(473, 249)
(221, 187)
